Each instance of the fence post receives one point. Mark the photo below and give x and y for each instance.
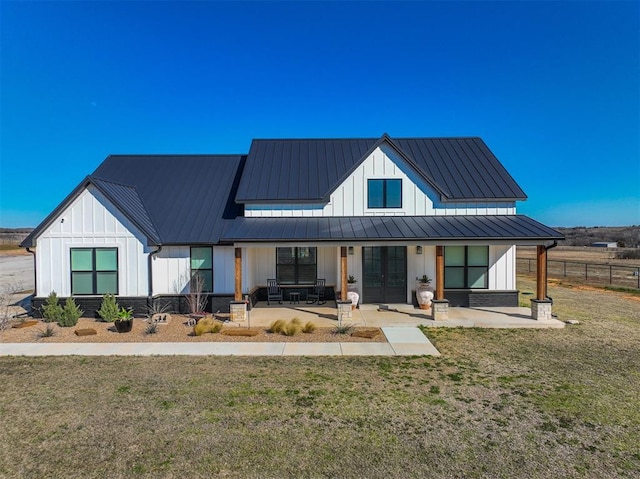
(610, 276)
(586, 271)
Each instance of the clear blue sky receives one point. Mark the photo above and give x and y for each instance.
(552, 87)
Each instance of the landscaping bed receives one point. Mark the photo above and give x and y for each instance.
(176, 330)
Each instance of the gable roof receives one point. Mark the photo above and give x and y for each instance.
(188, 197)
(172, 199)
(123, 197)
(309, 170)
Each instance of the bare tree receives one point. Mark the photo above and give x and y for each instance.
(196, 298)
(7, 301)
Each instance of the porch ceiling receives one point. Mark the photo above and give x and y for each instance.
(517, 228)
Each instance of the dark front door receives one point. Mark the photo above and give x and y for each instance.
(385, 274)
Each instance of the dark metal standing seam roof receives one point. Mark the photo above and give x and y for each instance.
(298, 170)
(187, 197)
(308, 170)
(367, 228)
(173, 199)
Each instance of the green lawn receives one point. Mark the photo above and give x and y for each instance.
(498, 403)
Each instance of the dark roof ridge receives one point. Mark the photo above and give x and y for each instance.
(372, 138)
(147, 155)
(93, 177)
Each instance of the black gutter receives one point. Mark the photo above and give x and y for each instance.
(150, 273)
(35, 274)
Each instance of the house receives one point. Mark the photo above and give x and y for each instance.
(385, 210)
(604, 244)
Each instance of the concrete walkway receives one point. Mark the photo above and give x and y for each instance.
(403, 341)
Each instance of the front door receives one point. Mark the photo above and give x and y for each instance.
(385, 274)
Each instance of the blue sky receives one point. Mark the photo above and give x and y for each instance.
(552, 88)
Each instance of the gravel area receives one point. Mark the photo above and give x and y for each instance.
(177, 330)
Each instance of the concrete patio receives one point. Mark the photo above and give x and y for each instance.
(391, 315)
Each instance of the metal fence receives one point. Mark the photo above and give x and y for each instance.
(594, 273)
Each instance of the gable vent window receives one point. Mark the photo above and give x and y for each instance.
(384, 193)
(94, 271)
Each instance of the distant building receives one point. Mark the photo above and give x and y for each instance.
(604, 244)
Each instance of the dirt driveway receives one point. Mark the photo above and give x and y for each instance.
(16, 270)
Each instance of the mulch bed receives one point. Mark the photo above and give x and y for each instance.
(177, 330)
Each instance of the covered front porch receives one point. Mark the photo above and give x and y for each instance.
(466, 257)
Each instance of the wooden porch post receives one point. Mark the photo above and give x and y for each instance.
(439, 272)
(343, 272)
(238, 285)
(541, 273)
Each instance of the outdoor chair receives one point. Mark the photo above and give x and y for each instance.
(274, 291)
(318, 292)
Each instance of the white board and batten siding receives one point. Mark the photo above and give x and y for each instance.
(350, 198)
(91, 221)
(172, 269)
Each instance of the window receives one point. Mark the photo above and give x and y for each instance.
(202, 263)
(384, 193)
(296, 265)
(466, 267)
(94, 270)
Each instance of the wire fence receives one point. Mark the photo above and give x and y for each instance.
(591, 273)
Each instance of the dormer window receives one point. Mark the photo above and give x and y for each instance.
(384, 193)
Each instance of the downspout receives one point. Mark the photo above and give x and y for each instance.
(150, 269)
(546, 268)
(35, 273)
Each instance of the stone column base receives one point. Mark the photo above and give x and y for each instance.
(344, 310)
(238, 311)
(440, 311)
(541, 309)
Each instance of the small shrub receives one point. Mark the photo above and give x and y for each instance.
(309, 328)
(296, 321)
(157, 308)
(48, 332)
(207, 325)
(51, 309)
(70, 314)
(277, 326)
(109, 308)
(343, 329)
(151, 329)
(292, 328)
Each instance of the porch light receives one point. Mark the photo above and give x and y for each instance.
(418, 249)
(350, 249)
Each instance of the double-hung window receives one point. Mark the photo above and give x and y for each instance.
(94, 271)
(466, 267)
(202, 265)
(296, 265)
(384, 193)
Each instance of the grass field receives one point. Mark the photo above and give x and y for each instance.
(498, 404)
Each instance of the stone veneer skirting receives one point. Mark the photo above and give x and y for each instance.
(468, 298)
